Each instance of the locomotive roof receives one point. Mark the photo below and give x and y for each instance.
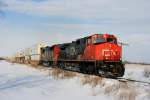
(105, 35)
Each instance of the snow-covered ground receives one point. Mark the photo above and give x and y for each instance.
(137, 72)
(22, 82)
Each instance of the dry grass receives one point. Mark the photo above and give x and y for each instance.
(120, 90)
(126, 92)
(62, 74)
(34, 63)
(91, 80)
(110, 88)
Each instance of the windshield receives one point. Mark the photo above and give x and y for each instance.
(112, 40)
(100, 40)
(103, 40)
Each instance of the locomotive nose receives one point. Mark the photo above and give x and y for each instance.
(111, 52)
(110, 55)
(107, 54)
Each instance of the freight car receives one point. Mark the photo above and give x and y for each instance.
(30, 55)
(33, 54)
(96, 54)
(19, 57)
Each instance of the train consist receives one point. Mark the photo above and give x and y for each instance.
(98, 54)
(31, 55)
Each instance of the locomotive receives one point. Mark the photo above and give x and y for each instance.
(98, 54)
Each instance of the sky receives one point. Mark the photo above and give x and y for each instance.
(28, 22)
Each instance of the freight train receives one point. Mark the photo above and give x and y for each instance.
(98, 54)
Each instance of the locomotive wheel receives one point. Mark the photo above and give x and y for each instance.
(122, 70)
(118, 70)
(61, 65)
(90, 69)
(83, 68)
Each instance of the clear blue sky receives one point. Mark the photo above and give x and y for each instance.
(27, 22)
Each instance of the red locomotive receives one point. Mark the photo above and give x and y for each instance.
(97, 54)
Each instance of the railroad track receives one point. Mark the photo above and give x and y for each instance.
(131, 80)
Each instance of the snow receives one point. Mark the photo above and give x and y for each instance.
(134, 71)
(23, 82)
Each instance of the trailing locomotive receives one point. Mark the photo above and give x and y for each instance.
(96, 54)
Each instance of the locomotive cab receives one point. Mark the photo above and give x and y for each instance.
(104, 49)
(104, 38)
